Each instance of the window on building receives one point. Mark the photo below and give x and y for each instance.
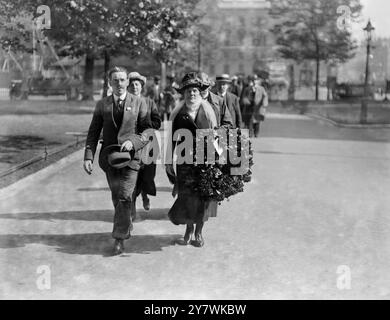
(240, 55)
(241, 68)
(255, 40)
(306, 77)
(241, 35)
(242, 21)
(264, 40)
(227, 38)
(226, 68)
(226, 55)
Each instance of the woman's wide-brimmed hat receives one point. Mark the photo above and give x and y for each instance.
(192, 79)
(223, 78)
(136, 76)
(112, 156)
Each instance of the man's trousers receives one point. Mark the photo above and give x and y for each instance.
(122, 183)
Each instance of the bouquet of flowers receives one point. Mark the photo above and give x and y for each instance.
(216, 181)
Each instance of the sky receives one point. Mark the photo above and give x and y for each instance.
(379, 13)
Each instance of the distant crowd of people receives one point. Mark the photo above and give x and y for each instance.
(245, 99)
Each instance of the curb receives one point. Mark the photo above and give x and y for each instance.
(271, 115)
(344, 125)
(41, 174)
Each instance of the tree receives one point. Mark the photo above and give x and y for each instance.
(101, 28)
(309, 30)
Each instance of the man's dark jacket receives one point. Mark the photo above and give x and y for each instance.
(134, 122)
(222, 113)
(232, 103)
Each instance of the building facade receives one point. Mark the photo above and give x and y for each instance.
(242, 41)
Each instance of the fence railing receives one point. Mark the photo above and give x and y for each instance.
(80, 137)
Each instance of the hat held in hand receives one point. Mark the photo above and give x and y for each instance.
(115, 157)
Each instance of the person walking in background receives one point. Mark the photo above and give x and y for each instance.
(254, 101)
(170, 97)
(122, 117)
(193, 113)
(231, 101)
(236, 86)
(245, 101)
(260, 109)
(147, 172)
(155, 92)
(222, 113)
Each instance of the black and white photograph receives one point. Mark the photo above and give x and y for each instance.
(194, 150)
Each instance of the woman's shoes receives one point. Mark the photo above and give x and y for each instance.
(118, 247)
(188, 234)
(198, 242)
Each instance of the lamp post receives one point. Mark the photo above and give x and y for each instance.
(199, 52)
(368, 30)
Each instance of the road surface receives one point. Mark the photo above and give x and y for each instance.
(313, 224)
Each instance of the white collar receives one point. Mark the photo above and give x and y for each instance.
(122, 97)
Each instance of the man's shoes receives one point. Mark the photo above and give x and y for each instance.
(118, 247)
(146, 203)
(188, 235)
(198, 242)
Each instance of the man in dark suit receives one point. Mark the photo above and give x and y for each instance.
(231, 101)
(123, 118)
(222, 113)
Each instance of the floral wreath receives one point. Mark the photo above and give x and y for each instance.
(215, 181)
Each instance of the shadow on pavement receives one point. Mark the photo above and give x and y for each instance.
(94, 189)
(88, 215)
(90, 243)
(159, 189)
(152, 214)
(308, 154)
(164, 189)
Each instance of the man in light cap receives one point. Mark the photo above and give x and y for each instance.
(222, 113)
(231, 101)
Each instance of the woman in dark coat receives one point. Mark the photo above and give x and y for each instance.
(192, 113)
(145, 181)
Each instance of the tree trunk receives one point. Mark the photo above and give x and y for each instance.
(317, 78)
(107, 60)
(199, 52)
(88, 77)
(291, 88)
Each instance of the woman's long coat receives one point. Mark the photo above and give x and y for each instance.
(189, 207)
(147, 173)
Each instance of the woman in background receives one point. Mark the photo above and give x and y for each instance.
(145, 181)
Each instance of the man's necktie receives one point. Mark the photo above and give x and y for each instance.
(118, 112)
(120, 105)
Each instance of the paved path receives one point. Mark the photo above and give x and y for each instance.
(313, 206)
